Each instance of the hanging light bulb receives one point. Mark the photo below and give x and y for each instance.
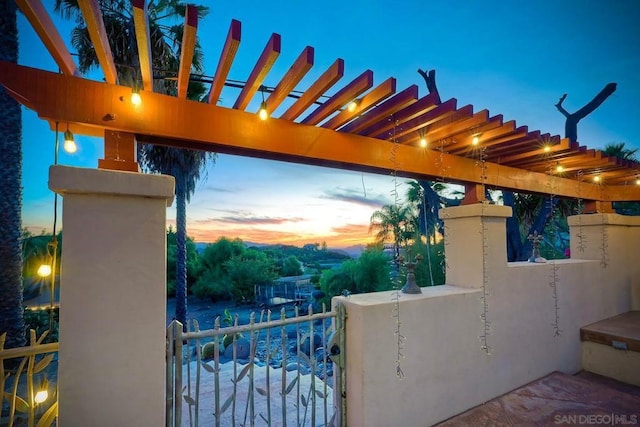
(596, 178)
(475, 140)
(262, 113)
(547, 148)
(353, 105)
(135, 95)
(44, 270)
(559, 169)
(423, 138)
(69, 142)
(638, 181)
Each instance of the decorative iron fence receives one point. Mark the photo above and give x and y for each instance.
(30, 399)
(287, 371)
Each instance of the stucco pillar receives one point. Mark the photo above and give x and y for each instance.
(111, 369)
(475, 243)
(614, 241)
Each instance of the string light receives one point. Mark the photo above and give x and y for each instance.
(353, 105)
(638, 181)
(423, 139)
(262, 112)
(559, 168)
(69, 141)
(596, 178)
(475, 140)
(546, 148)
(136, 99)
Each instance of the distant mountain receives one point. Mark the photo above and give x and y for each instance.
(352, 251)
(306, 254)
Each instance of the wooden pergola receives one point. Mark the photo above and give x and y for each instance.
(384, 132)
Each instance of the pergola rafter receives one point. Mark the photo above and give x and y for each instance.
(187, 49)
(95, 25)
(143, 39)
(516, 158)
(226, 59)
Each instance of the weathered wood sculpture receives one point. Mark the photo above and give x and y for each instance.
(571, 125)
(430, 80)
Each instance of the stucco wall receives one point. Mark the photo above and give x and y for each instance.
(113, 298)
(445, 369)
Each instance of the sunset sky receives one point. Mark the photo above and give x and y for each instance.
(512, 58)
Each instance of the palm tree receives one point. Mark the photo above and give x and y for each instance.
(11, 314)
(619, 150)
(394, 222)
(186, 166)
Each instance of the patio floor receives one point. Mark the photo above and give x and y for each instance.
(559, 399)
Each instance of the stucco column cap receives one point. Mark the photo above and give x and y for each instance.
(73, 180)
(603, 219)
(474, 210)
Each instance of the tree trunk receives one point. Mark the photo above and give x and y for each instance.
(181, 252)
(11, 314)
(539, 224)
(571, 125)
(514, 242)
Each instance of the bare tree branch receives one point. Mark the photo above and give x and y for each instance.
(595, 102)
(430, 80)
(571, 125)
(561, 108)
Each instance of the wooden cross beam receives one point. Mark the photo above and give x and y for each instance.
(172, 121)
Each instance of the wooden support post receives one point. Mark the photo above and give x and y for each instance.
(473, 193)
(598, 206)
(119, 152)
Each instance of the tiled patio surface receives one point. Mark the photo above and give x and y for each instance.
(559, 399)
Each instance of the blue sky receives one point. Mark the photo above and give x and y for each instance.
(514, 58)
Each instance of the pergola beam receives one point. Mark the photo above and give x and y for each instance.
(396, 103)
(98, 34)
(268, 57)
(187, 48)
(182, 123)
(315, 91)
(46, 30)
(300, 67)
(226, 59)
(368, 101)
(348, 93)
(423, 105)
(141, 23)
(460, 123)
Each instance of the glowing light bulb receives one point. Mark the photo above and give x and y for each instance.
(44, 270)
(70, 147)
(262, 113)
(423, 142)
(136, 99)
(559, 169)
(638, 181)
(352, 106)
(547, 148)
(475, 140)
(596, 178)
(41, 396)
(69, 142)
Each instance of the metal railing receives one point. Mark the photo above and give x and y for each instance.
(30, 399)
(283, 373)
